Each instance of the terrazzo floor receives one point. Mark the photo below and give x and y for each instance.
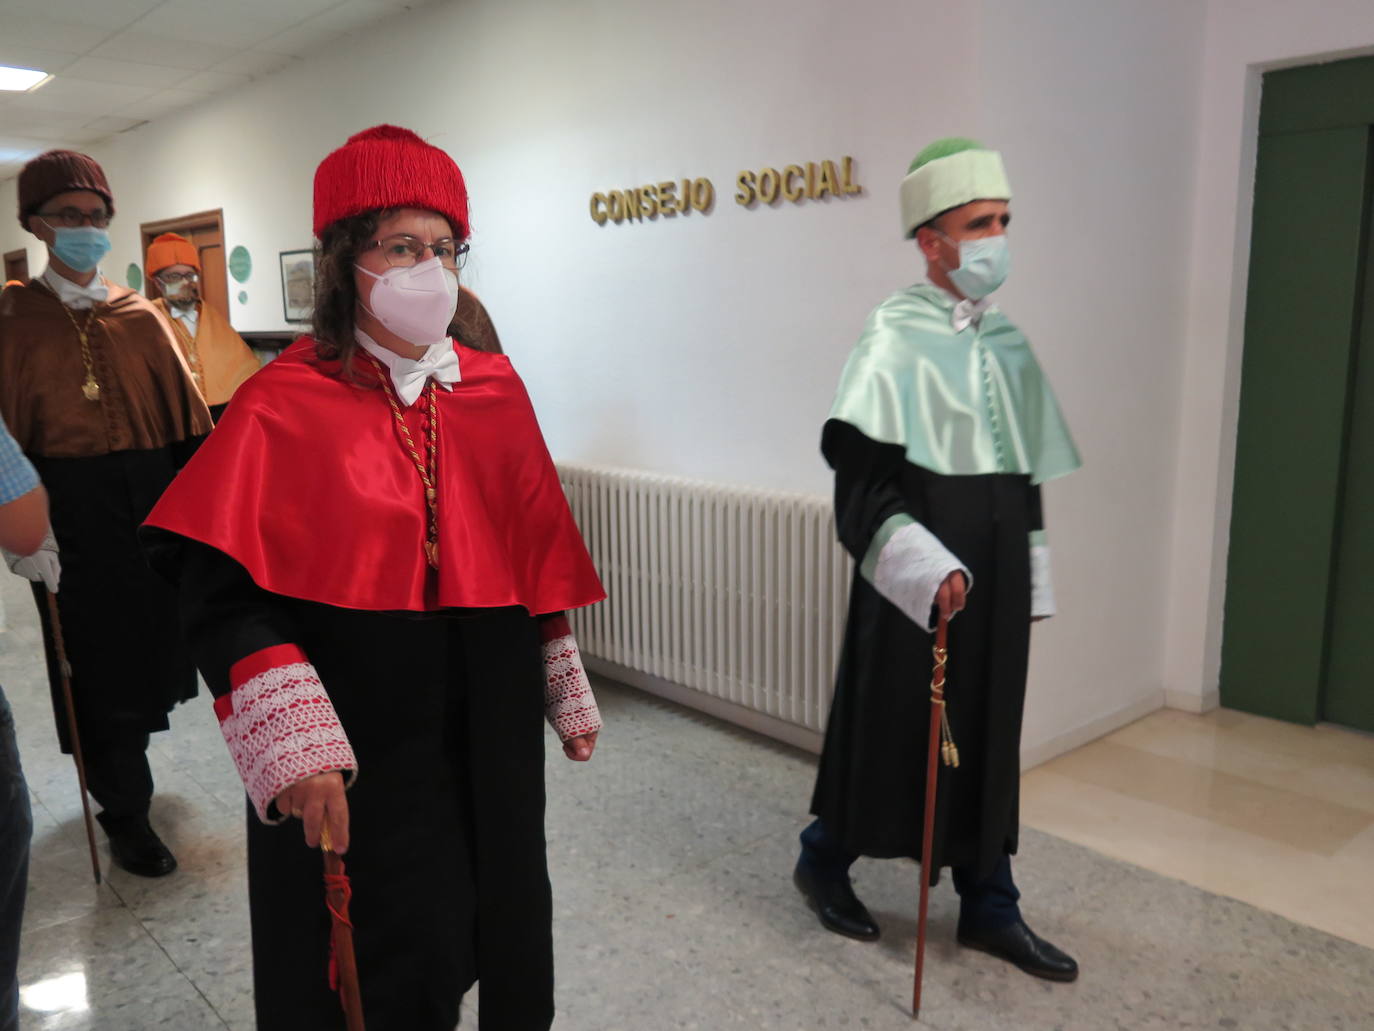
(671, 855)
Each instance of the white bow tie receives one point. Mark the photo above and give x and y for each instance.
(74, 295)
(967, 313)
(410, 377)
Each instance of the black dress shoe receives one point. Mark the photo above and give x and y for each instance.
(1022, 947)
(836, 904)
(135, 846)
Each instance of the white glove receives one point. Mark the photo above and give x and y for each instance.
(42, 565)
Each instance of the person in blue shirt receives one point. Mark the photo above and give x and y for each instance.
(23, 526)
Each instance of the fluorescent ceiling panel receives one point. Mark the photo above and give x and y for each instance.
(20, 80)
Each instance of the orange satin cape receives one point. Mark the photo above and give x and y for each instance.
(306, 484)
(225, 360)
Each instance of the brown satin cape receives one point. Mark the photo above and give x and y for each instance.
(147, 397)
(472, 326)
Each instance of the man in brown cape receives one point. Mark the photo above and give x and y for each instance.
(100, 400)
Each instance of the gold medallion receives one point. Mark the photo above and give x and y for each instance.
(91, 389)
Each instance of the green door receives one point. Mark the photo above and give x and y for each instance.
(1349, 694)
(1300, 575)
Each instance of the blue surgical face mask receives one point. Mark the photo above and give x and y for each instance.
(983, 266)
(80, 248)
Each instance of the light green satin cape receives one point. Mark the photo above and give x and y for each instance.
(963, 403)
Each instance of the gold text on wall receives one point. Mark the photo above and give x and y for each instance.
(769, 186)
(641, 202)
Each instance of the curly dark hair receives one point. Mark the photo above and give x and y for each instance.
(336, 294)
(336, 291)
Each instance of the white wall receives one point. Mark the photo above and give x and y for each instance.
(710, 346)
(1244, 38)
(702, 346)
(1093, 104)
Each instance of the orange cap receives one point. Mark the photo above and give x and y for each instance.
(171, 249)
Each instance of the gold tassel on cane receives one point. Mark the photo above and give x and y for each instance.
(937, 734)
(949, 752)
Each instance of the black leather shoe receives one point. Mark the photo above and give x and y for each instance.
(135, 846)
(1019, 945)
(836, 904)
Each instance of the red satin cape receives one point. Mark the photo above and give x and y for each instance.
(305, 483)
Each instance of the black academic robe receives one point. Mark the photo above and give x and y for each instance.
(445, 713)
(333, 639)
(870, 788)
(129, 665)
(104, 464)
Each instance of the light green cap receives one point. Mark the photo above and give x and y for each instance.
(943, 149)
(948, 173)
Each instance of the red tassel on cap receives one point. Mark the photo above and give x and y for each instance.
(389, 167)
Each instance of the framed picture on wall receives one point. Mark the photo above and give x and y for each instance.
(297, 284)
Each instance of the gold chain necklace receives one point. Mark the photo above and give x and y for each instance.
(188, 340)
(428, 476)
(90, 388)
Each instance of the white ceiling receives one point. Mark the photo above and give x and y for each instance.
(119, 63)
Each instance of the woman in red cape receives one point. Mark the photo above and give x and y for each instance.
(374, 558)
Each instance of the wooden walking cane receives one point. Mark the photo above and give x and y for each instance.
(343, 965)
(939, 728)
(64, 672)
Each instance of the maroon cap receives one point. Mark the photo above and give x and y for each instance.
(59, 171)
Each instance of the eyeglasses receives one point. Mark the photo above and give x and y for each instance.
(403, 251)
(73, 217)
(173, 278)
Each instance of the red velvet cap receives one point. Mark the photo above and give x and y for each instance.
(389, 167)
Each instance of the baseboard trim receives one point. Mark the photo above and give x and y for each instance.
(1151, 701)
(1189, 702)
(741, 716)
(810, 740)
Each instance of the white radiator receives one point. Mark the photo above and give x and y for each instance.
(726, 599)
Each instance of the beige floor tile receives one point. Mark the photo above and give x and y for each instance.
(1324, 762)
(1295, 836)
(1240, 803)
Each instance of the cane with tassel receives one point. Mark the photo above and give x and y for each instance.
(940, 746)
(64, 673)
(343, 965)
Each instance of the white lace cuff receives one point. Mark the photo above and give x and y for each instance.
(909, 566)
(569, 704)
(280, 725)
(1042, 587)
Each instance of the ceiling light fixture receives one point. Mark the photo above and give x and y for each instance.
(21, 80)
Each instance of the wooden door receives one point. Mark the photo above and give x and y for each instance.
(17, 265)
(214, 275)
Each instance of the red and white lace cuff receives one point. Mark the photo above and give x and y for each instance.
(568, 702)
(280, 725)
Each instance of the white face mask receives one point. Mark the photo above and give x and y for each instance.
(983, 265)
(416, 303)
(179, 295)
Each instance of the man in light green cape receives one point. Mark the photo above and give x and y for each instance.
(942, 431)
